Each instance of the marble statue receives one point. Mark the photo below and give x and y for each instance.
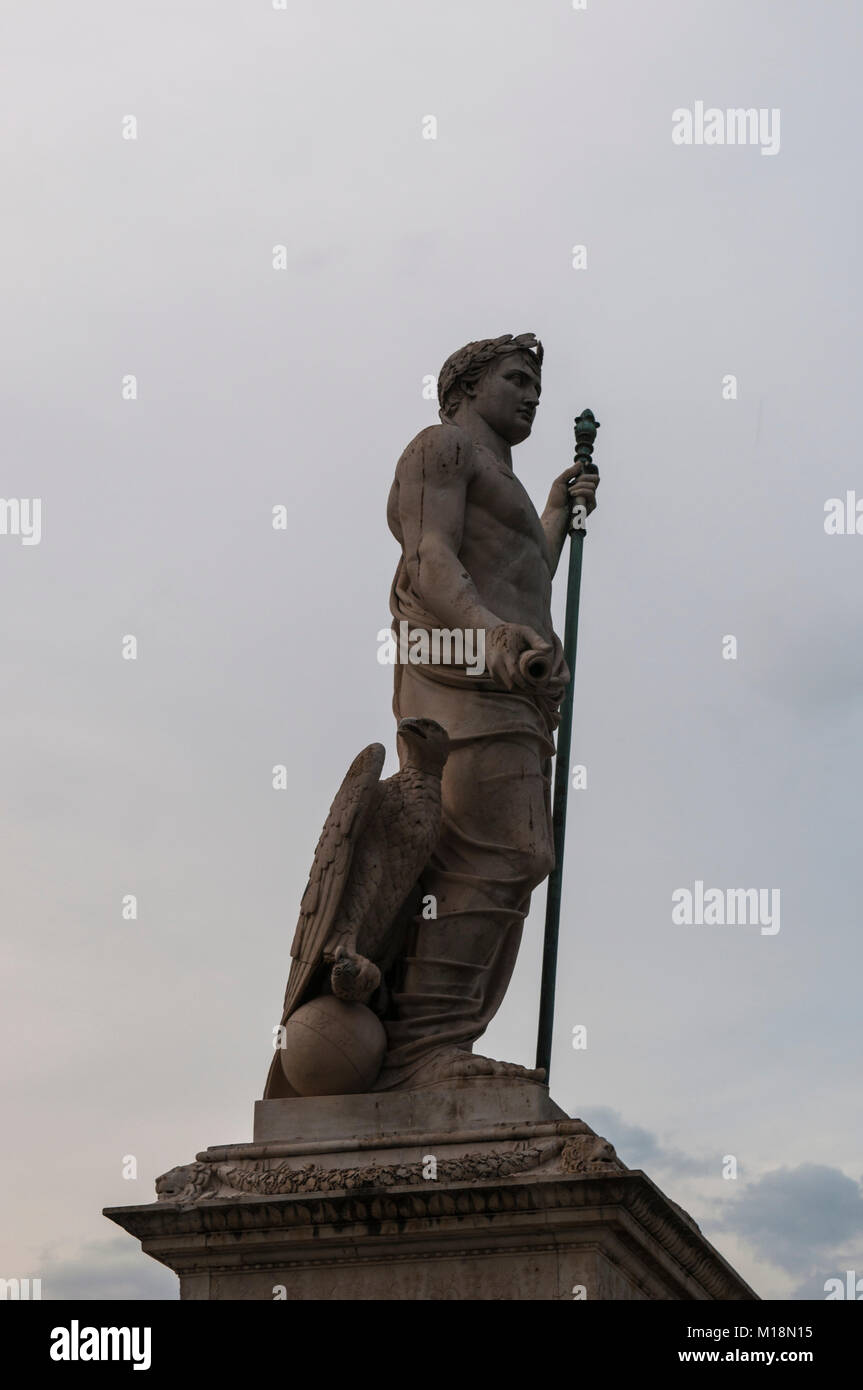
(477, 562)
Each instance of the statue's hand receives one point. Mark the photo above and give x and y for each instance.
(506, 645)
(575, 486)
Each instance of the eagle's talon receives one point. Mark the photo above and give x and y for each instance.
(353, 977)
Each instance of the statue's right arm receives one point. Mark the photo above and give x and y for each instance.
(433, 476)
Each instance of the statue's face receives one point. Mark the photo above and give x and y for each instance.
(507, 396)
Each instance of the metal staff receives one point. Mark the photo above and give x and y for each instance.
(586, 426)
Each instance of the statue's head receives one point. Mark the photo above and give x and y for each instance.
(499, 379)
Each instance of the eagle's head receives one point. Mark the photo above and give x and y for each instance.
(422, 744)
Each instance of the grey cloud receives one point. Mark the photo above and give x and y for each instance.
(813, 1286)
(109, 1270)
(795, 1217)
(638, 1148)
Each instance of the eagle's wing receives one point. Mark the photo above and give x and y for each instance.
(367, 874)
(329, 875)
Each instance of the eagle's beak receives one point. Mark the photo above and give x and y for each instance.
(410, 726)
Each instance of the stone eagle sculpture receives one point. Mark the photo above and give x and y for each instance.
(375, 843)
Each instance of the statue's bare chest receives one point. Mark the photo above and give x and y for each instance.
(498, 499)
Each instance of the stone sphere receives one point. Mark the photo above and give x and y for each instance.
(332, 1048)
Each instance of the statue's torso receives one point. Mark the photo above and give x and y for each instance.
(503, 546)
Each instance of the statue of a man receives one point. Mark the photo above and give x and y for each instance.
(476, 556)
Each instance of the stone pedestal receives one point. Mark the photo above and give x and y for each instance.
(474, 1190)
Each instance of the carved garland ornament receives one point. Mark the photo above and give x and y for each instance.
(195, 1182)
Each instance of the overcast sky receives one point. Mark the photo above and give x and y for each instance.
(153, 257)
